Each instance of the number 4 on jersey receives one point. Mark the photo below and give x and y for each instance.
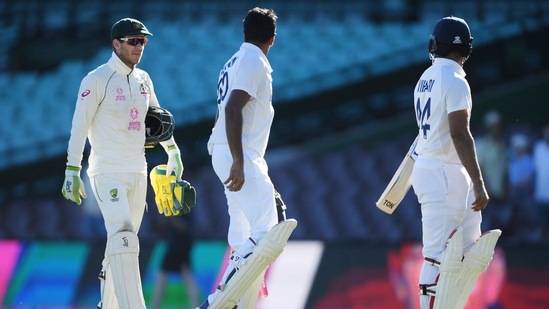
(422, 115)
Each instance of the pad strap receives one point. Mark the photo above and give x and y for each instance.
(428, 289)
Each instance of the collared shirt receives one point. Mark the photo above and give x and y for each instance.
(110, 111)
(248, 70)
(441, 90)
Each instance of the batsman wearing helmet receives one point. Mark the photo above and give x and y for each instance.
(446, 176)
(258, 229)
(118, 112)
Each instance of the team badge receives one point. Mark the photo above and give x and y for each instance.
(114, 195)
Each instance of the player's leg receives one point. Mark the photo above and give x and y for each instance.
(257, 198)
(137, 198)
(159, 289)
(255, 201)
(441, 215)
(122, 249)
(122, 252)
(251, 295)
(265, 253)
(263, 208)
(479, 250)
(459, 200)
(108, 295)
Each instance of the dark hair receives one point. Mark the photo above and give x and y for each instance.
(259, 25)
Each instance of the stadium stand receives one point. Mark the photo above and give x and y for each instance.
(338, 47)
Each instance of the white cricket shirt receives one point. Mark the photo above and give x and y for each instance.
(110, 111)
(441, 89)
(248, 70)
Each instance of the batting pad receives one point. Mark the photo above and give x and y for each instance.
(267, 251)
(450, 265)
(248, 300)
(122, 253)
(108, 296)
(475, 262)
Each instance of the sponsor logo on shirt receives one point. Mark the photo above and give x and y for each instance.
(85, 93)
(134, 124)
(143, 90)
(120, 96)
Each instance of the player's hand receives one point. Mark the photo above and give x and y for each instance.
(236, 178)
(174, 162)
(481, 198)
(163, 194)
(73, 187)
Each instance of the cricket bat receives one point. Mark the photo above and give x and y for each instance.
(399, 184)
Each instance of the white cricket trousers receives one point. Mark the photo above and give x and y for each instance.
(445, 192)
(121, 199)
(252, 209)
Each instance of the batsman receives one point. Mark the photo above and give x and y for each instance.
(446, 176)
(258, 229)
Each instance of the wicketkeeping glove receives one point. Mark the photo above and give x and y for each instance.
(73, 187)
(173, 197)
(184, 196)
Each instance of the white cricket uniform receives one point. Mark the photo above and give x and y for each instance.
(440, 181)
(110, 110)
(252, 210)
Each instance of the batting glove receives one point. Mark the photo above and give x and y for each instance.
(174, 162)
(73, 187)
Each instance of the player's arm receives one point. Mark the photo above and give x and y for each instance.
(85, 109)
(174, 164)
(233, 126)
(465, 147)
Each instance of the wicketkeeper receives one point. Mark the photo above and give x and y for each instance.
(118, 112)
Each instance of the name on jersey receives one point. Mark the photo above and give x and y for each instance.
(425, 85)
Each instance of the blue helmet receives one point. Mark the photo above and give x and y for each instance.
(451, 34)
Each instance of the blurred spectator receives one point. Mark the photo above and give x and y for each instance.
(177, 259)
(521, 189)
(541, 164)
(492, 158)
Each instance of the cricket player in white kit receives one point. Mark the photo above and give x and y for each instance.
(110, 111)
(238, 142)
(446, 176)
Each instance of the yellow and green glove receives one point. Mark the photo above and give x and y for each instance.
(184, 196)
(73, 187)
(173, 197)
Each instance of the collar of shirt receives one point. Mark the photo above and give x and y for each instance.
(118, 65)
(452, 63)
(255, 49)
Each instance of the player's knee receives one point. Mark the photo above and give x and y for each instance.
(122, 242)
(128, 227)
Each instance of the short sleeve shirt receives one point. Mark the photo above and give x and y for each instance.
(247, 70)
(441, 90)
